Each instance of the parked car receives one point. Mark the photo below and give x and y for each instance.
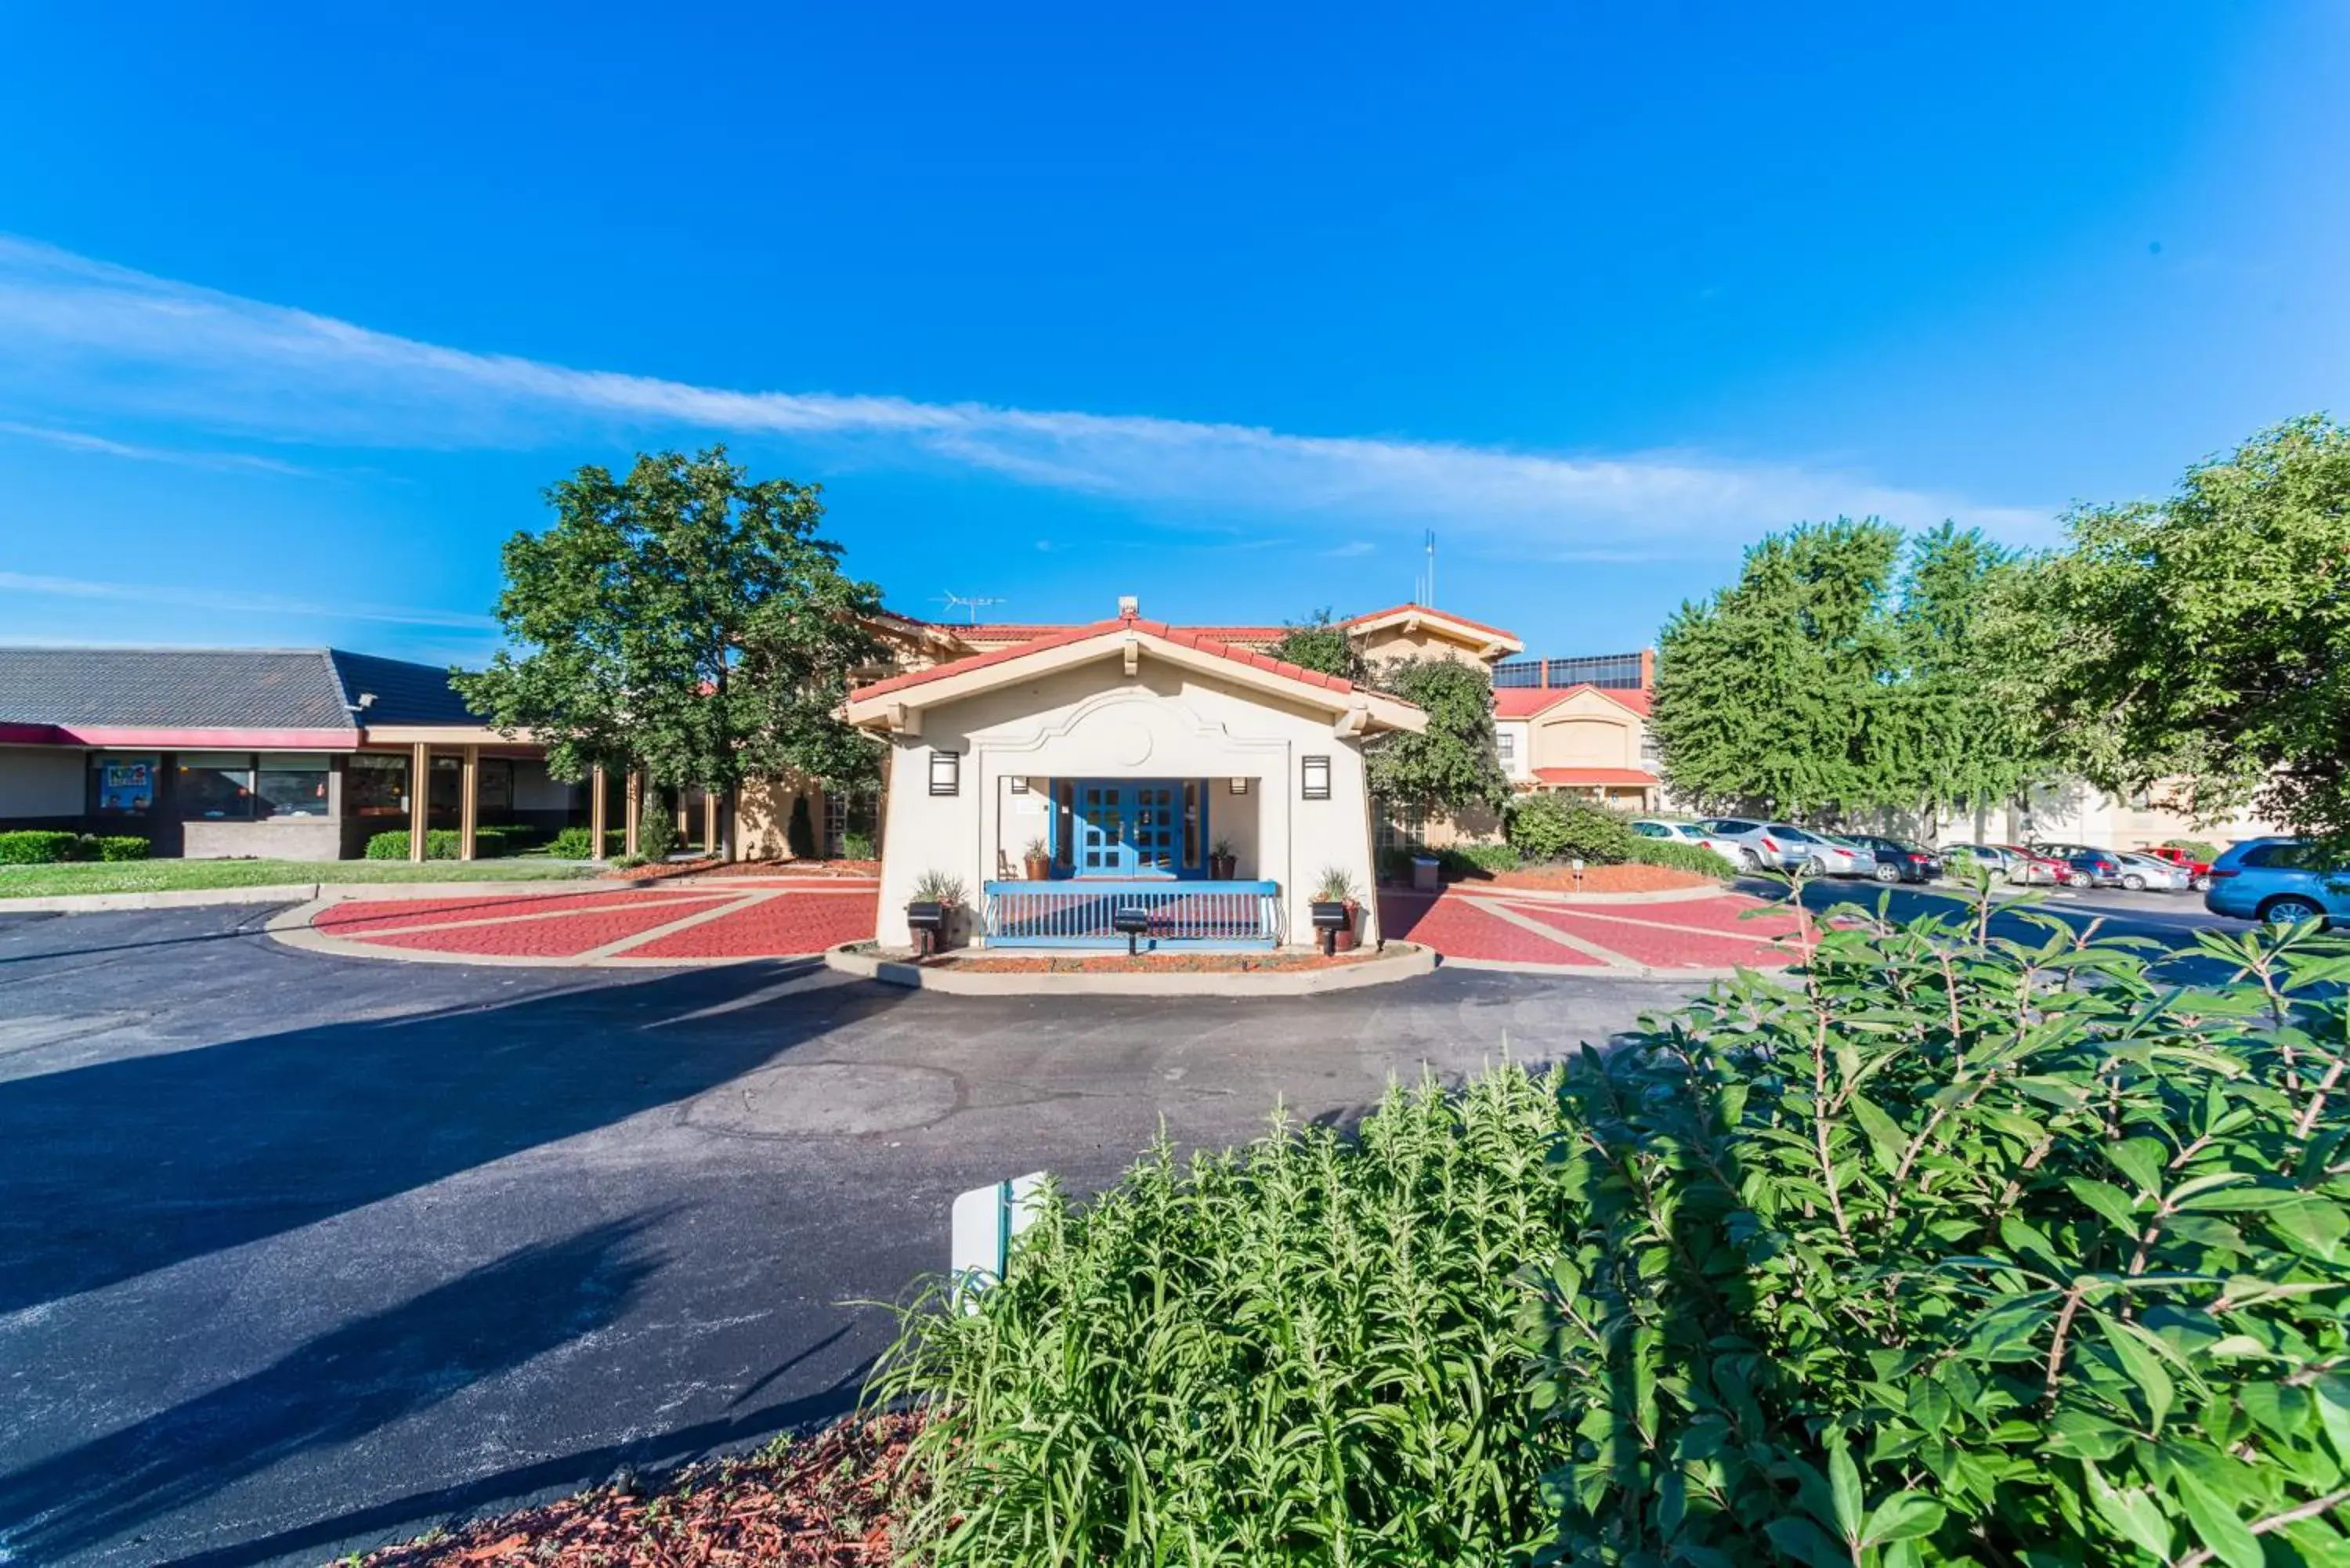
(1898, 859)
(2010, 861)
(2280, 880)
(2144, 872)
(1784, 846)
(2090, 867)
(1679, 832)
(2199, 872)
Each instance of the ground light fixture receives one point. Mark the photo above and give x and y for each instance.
(1131, 922)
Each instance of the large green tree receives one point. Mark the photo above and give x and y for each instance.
(1453, 766)
(1956, 725)
(685, 619)
(2205, 637)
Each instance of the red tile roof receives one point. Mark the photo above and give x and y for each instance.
(1595, 776)
(1437, 614)
(1184, 637)
(1027, 631)
(1526, 701)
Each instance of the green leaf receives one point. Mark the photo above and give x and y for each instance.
(1844, 1486)
(2131, 1512)
(1808, 1542)
(1904, 1516)
(1884, 1135)
(2140, 1160)
(2144, 1367)
(2217, 1524)
(2107, 1200)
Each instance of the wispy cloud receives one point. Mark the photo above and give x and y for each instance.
(235, 603)
(82, 441)
(102, 340)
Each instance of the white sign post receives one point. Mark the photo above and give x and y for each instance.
(985, 1221)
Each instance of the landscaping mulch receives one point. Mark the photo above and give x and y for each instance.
(709, 869)
(1627, 878)
(826, 1501)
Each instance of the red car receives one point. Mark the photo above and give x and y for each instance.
(2199, 872)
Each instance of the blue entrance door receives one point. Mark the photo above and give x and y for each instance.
(1127, 829)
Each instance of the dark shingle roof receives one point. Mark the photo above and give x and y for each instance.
(172, 688)
(220, 688)
(405, 693)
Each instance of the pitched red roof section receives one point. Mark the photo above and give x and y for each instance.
(1028, 631)
(1526, 701)
(1183, 637)
(1595, 776)
(1438, 614)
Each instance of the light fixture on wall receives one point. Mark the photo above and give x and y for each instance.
(1239, 786)
(1313, 775)
(946, 772)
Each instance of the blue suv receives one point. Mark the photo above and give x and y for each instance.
(2282, 880)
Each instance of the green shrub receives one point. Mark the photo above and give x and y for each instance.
(39, 846)
(1680, 856)
(1479, 859)
(656, 835)
(1300, 1351)
(440, 843)
(579, 843)
(1566, 827)
(2207, 853)
(857, 847)
(799, 834)
(121, 846)
(1973, 1250)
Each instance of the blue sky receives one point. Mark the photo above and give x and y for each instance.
(300, 307)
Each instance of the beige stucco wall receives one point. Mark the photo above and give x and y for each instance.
(1094, 720)
(41, 781)
(1585, 730)
(1394, 642)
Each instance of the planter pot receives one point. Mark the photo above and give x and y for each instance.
(1348, 934)
(1039, 868)
(1222, 867)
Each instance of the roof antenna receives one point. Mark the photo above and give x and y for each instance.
(973, 605)
(1429, 585)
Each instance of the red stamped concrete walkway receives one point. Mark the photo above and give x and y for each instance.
(675, 923)
(743, 917)
(1520, 928)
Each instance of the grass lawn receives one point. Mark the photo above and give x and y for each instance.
(162, 876)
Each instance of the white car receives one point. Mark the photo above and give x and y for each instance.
(2144, 871)
(1784, 846)
(1687, 832)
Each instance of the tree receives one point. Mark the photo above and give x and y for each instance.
(1767, 692)
(1321, 644)
(1453, 766)
(1957, 726)
(683, 619)
(2206, 638)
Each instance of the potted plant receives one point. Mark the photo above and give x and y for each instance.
(1223, 864)
(931, 912)
(1336, 890)
(1039, 858)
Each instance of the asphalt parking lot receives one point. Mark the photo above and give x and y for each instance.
(301, 1254)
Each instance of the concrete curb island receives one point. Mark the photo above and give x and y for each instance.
(1398, 961)
(287, 893)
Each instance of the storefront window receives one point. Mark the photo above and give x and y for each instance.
(215, 785)
(125, 786)
(376, 785)
(292, 784)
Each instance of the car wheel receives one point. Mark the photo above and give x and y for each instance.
(2134, 882)
(2199, 884)
(2079, 880)
(1886, 873)
(1816, 866)
(2292, 913)
(1749, 861)
(2019, 877)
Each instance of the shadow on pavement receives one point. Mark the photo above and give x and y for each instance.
(338, 1388)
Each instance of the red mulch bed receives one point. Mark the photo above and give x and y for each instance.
(1147, 964)
(712, 869)
(1627, 878)
(826, 1502)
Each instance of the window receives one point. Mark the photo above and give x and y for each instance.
(1190, 825)
(376, 785)
(1313, 776)
(1506, 746)
(215, 786)
(292, 784)
(1398, 828)
(122, 786)
(1651, 755)
(1652, 830)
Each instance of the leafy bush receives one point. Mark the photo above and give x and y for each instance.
(1566, 827)
(1971, 1251)
(1300, 1351)
(440, 843)
(656, 835)
(857, 847)
(36, 846)
(2207, 853)
(579, 843)
(121, 846)
(1476, 859)
(1680, 856)
(799, 833)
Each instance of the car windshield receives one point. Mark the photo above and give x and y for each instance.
(1795, 834)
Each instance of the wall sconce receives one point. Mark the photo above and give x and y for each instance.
(1238, 787)
(1313, 775)
(946, 772)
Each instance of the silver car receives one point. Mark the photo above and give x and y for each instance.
(1674, 831)
(1784, 846)
(2143, 871)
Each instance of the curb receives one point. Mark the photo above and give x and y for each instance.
(1558, 895)
(1402, 962)
(1640, 973)
(284, 893)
